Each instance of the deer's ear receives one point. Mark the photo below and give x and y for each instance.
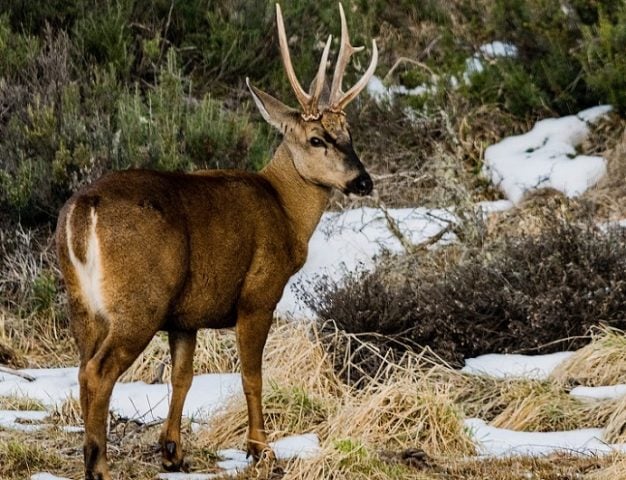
(275, 112)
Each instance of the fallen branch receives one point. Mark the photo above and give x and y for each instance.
(17, 373)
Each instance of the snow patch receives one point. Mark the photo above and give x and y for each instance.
(297, 446)
(498, 49)
(593, 114)
(500, 442)
(599, 393)
(46, 476)
(381, 93)
(348, 242)
(546, 157)
(194, 476)
(305, 446)
(136, 400)
(538, 367)
(23, 420)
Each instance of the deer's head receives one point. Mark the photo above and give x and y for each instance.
(318, 136)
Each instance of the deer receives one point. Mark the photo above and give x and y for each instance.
(145, 251)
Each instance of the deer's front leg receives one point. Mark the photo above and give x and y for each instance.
(252, 330)
(182, 346)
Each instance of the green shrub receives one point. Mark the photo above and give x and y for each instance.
(506, 81)
(16, 50)
(604, 59)
(63, 134)
(104, 37)
(168, 129)
(555, 68)
(44, 291)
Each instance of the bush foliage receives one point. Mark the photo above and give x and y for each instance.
(89, 86)
(534, 294)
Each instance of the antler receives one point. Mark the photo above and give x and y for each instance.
(338, 99)
(308, 101)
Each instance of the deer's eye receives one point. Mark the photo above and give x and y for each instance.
(317, 142)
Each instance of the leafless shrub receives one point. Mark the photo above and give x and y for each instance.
(536, 294)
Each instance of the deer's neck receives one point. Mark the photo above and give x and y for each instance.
(303, 201)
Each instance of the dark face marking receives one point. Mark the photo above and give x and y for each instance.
(352, 159)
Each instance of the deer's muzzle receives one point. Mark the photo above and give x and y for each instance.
(361, 185)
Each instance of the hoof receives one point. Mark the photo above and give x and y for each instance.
(171, 460)
(96, 476)
(261, 453)
(170, 466)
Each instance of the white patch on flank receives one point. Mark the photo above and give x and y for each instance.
(90, 272)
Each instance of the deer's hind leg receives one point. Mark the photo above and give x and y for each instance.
(98, 376)
(89, 332)
(182, 346)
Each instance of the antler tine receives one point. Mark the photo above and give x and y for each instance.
(345, 52)
(320, 78)
(347, 97)
(303, 97)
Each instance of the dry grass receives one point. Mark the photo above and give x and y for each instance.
(21, 457)
(611, 468)
(38, 340)
(68, 413)
(33, 318)
(403, 424)
(216, 352)
(609, 141)
(16, 402)
(553, 467)
(616, 424)
(537, 211)
(544, 407)
(602, 362)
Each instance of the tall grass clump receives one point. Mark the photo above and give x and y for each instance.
(602, 362)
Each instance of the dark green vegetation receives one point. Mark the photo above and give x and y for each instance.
(88, 86)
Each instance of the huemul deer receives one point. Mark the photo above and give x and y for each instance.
(143, 251)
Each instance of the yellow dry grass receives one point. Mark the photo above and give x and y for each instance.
(38, 340)
(602, 362)
(615, 431)
(610, 193)
(216, 352)
(611, 468)
(415, 404)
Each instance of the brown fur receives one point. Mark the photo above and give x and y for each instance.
(180, 252)
(143, 251)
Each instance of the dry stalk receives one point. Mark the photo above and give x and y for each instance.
(602, 362)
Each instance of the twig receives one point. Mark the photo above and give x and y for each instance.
(395, 229)
(401, 60)
(17, 373)
(429, 47)
(406, 243)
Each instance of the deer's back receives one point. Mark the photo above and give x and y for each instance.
(189, 249)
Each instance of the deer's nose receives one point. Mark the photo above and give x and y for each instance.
(361, 185)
